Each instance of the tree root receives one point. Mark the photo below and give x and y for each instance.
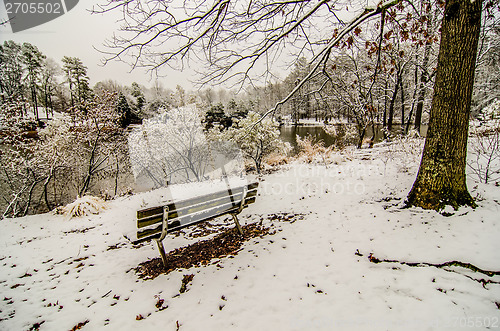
(465, 265)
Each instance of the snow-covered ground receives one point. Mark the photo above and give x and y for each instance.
(313, 274)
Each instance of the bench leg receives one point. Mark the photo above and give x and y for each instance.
(237, 223)
(162, 253)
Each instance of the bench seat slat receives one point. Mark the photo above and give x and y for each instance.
(215, 209)
(177, 224)
(177, 210)
(181, 208)
(190, 212)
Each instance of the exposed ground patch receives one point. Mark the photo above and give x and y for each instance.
(226, 243)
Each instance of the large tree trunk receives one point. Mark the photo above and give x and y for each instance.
(441, 177)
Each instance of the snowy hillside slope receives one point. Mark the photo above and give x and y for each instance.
(313, 273)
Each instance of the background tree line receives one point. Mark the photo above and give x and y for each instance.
(61, 138)
(383, 75)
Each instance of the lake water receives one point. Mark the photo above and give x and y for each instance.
(289, 133)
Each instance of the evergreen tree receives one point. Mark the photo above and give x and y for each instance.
(139, 97)
(33, 59)
(11, 71)
(77, 79)
(123, 110)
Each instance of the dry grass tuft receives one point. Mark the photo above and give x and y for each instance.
(83, 206)
(310, 149)
(276, 159)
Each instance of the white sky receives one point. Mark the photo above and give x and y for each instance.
(75, 34)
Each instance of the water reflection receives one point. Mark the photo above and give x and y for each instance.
(289, 133)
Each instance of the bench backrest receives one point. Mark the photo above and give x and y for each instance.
(194, 210)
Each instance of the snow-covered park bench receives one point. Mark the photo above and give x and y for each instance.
(156, 222)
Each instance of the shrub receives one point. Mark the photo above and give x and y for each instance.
(255, 140)
(276, 159)
(484, 145)
(344, 134)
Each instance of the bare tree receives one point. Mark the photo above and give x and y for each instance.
(424, 67)
(255, 146)
(169, 148)
(236, 39)
(17, 176)
(487, 79)
(49, 84)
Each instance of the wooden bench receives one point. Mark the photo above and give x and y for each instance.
(156, 222)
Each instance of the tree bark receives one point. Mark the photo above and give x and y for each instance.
(441, 178)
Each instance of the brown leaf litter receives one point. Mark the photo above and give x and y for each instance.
(226, 243)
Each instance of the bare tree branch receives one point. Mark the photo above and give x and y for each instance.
(366, 14)
(227, 35)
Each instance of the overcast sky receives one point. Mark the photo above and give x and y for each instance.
(78, 33)
(75, 34)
